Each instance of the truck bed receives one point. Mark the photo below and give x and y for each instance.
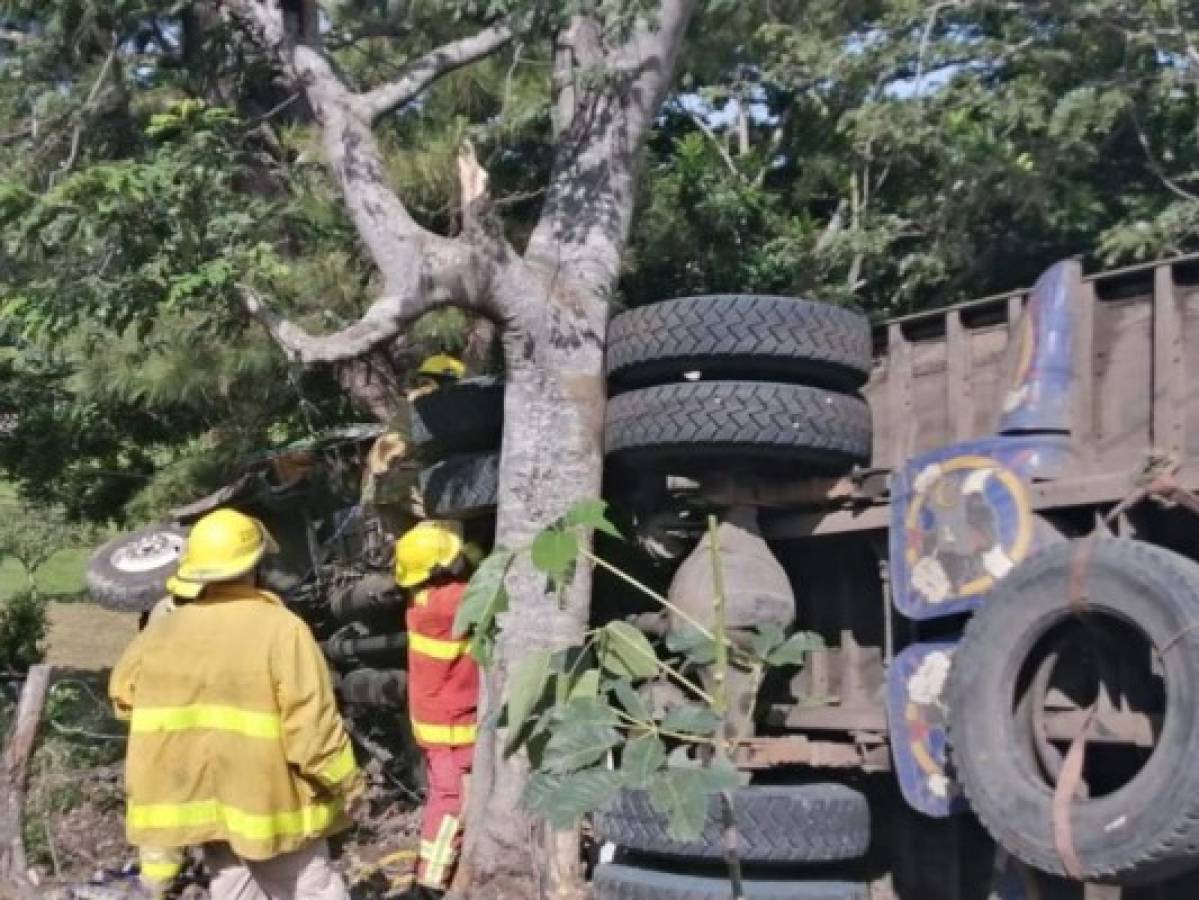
(939, 377)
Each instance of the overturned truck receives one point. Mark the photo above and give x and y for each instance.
(1006, 580)
(985, 511)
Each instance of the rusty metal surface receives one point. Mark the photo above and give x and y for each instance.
(838, 689)
(869, 755)
(942, 374)
(1107, 727)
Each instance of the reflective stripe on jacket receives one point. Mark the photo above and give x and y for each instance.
(234, 733)
(443, 678)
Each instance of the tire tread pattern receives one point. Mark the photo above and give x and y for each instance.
(466, 417)
(614, 881)
(1160, 858)
(741, 417)
(739, 335)
(463, 486)
(805, 823)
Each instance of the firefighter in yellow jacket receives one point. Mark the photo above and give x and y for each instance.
(235, 741)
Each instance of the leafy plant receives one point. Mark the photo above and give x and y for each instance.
(22, 631)
(581, 712)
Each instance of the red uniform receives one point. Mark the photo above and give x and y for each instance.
(443, 695)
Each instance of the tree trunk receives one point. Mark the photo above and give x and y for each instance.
(553, 415)
(13, 765)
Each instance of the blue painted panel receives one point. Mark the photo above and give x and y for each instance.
(1039, 394)
(916, 715)
(961, 519)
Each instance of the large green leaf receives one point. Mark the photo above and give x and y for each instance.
(592, 514)
(554, 552)
(642, 758)
(691, 718)
(525, 687)
(627, 653)
(766, 638)
(576, 745)
(796, 649)
(590, 710)
(698, 647)
(584, 685)
(632, 701)
(564, 799)
(682, 796)
(485, 597)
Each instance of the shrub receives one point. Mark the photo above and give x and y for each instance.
(22, 631)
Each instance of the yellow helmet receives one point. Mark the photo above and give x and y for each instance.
(440, 366)
(223, 545)
(425, 549)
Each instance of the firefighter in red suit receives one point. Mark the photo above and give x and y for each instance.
(443, 688)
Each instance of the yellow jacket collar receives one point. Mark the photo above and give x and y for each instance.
(225, 591)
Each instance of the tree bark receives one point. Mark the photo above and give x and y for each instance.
(552, 309)
(13, 765)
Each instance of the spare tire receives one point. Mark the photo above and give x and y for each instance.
(464, 486)
(1141, 610)
(622, 882)
(775, 824)
(740, 336)
(688, 426)
(129, 573)
(465, 417)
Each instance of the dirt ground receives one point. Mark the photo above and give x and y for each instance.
(74, 821)
(84, 636)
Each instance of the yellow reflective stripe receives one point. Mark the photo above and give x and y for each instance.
(203, 715)
(160, 871)
(422, 598)
(438, 649)
(453, 735)
(441, 854)
(253, 826)
(341, 767)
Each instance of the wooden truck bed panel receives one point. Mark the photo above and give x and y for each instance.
(940, 377)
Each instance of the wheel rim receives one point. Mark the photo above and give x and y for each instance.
(1097, 669)
(149, 552)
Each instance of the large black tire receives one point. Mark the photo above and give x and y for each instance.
(620, 882)
(775, 824)
(461, 487)
(459, 418)
(129, 573)
(688, 425)
(740, 336)
(1146, 830)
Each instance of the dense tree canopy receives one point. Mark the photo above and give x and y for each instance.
(894, 154)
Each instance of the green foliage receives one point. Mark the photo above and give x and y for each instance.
(485, 598)
(22, 631)
(554, 553)
(903, 154)
(581, 713)
(626, 652)
(31, 536)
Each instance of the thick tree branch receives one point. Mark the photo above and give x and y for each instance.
(606, 101)
(422, 72)
(420, 269)
(447, 273)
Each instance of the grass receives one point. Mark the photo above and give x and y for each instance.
(62, 574)
(79, 634)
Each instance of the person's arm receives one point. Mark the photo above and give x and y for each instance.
(122, 684)
(314, 739)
